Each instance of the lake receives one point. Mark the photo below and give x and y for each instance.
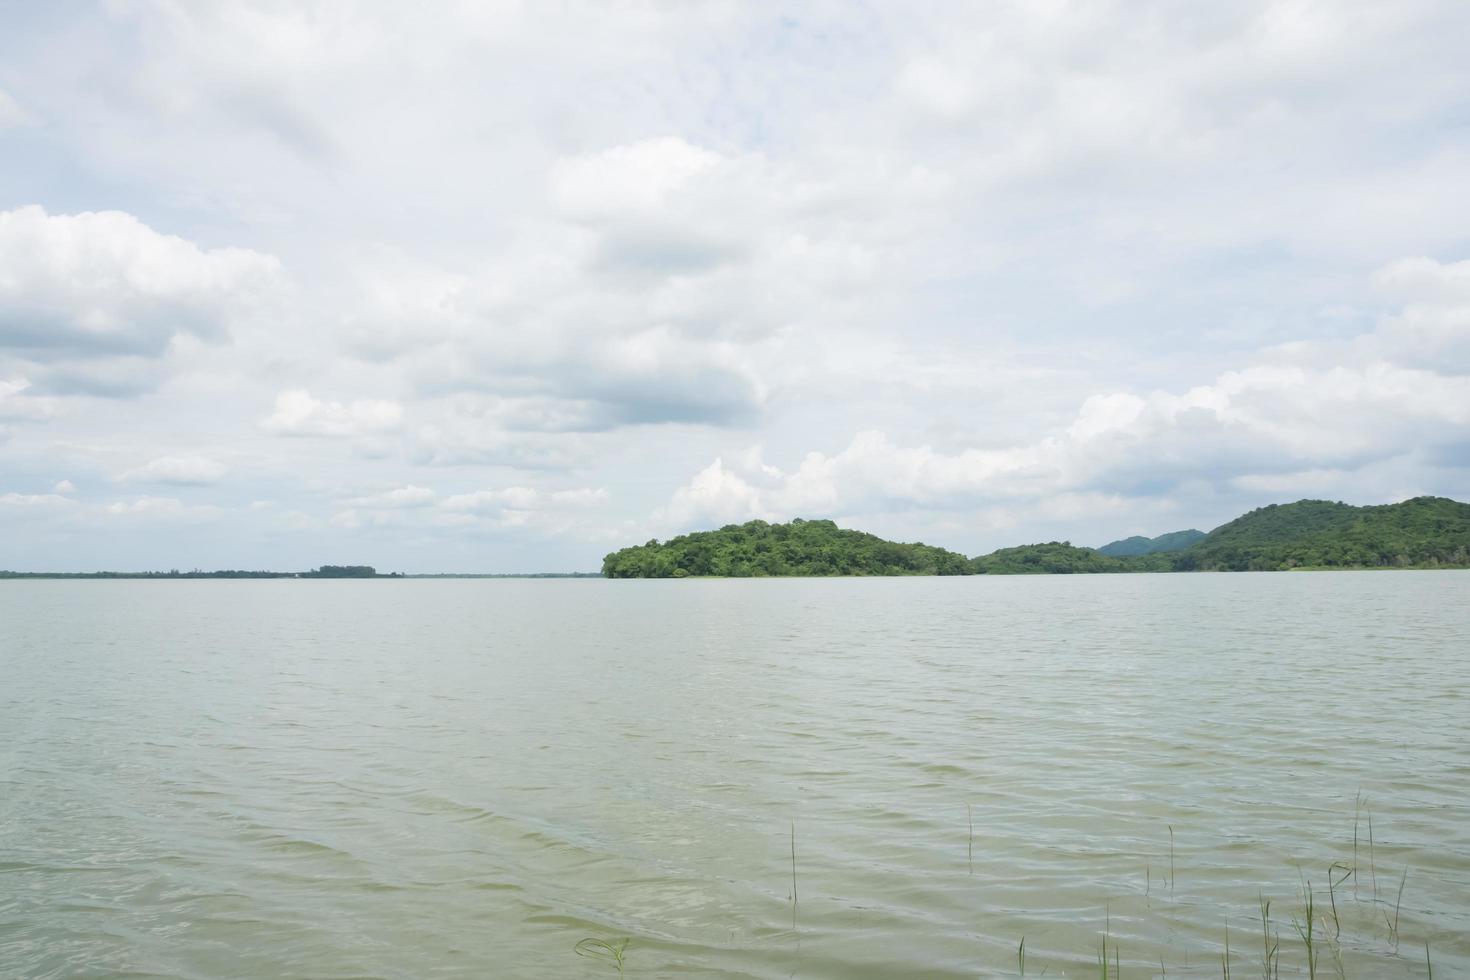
(464, 778)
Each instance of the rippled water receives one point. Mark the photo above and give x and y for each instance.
(464, 778)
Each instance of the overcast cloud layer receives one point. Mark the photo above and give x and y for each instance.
(507, 286)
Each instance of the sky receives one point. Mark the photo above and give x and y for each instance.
(503, 287)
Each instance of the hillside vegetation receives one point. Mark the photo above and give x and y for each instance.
(757, 548)
(1139, 545)
(1060, 558)
(1425, 532)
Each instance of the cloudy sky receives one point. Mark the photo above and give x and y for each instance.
(504, 286)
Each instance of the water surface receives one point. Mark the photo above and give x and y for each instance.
(416, 779)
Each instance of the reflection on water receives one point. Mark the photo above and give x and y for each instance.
(464, 778)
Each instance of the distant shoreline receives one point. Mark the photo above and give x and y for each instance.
(239, 576)
(1308, 535)
(278, 576)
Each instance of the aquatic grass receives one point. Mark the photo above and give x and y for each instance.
(1332, 895)
(1102, 954)
(1307, 931)
(970, 849)
(793, 875)
(1307, 919)
(1171, 859)
(1357, 816)
(1372, 861)
(1393, 927)
(600, 949)
(1270, 951)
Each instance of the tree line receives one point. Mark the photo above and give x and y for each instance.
(1424, 532)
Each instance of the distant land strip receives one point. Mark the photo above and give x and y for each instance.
(325, 571)
(1423, 532)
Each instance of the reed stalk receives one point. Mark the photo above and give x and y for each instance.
(1307, 931)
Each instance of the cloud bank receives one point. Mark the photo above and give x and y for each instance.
(507, 287)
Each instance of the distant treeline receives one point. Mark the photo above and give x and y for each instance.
(325, 571)
(1425, 532)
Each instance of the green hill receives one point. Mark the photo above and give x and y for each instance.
(1063, 558)
(1139, 545)
(1051, 558)
(1422, 532)
(1425, 532)
(801, 547)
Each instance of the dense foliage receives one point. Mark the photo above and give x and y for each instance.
(801, 547)
(1425, 532)
(1139, 545)
(342, 571)
(1060, 558)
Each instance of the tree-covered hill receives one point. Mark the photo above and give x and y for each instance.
(1425, 532)
(1053, 558)
(757, 548)
(1064, 558)
(1422, 532)
(1140, 545)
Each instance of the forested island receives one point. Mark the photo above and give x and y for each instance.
(1424, 532)
(756, 549)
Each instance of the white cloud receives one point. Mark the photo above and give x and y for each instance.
(716, 495)
(180, 470)
(297, 413)
(510, 498)
(409, 496)
(29, 500)
(12, 113)
(1004, 266)
(1433, 330)
(1425, 280)
(163, 509)
(296, 520)
(16, 404)
(640, 180)
(486, 510)
(350, 519)
(64, 486)
(1298, 415)
(580, 497)
(103, 286)
(663, 287)
(525, 499)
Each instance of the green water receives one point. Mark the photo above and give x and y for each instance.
(416, 779)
